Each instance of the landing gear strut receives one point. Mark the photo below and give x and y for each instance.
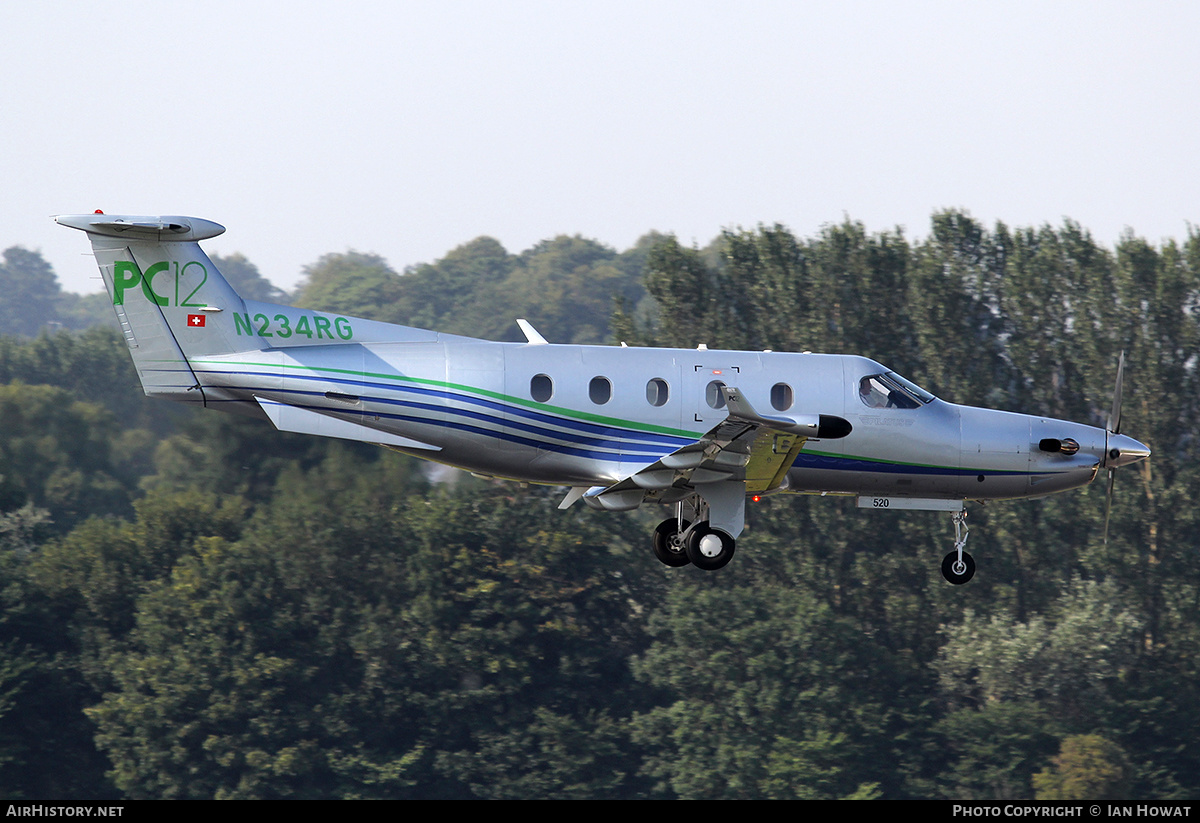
(678, 541)
(958, 567)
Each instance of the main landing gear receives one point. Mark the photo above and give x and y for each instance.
(678, 541)
(958, 567)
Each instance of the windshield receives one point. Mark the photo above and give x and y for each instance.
(891, 391)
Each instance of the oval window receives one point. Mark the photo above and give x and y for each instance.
(712, 395)
(541, 388)
(657, 392)
(600, 390)
(781, 397)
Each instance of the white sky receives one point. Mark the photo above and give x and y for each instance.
(406, 128)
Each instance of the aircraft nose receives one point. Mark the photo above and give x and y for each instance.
(1124, 450)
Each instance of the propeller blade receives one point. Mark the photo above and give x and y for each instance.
(1114, 420)
(1112, 476)
(1114, 427)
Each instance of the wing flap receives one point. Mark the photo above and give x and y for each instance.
(745, 447)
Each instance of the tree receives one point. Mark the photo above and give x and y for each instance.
(774, 699)
(353, 283)
(454, 646)
(1087, 768)
(246, 279)
(57, 454)
(458, 293)
(1067, 662)
(46, 745)
(30, 291)
(94, 367)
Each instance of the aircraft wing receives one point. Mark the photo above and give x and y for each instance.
(746, 447)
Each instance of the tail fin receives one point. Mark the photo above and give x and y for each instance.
(172, 302)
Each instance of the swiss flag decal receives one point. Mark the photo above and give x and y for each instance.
(196, 320)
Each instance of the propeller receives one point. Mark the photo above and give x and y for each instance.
(1111, 430)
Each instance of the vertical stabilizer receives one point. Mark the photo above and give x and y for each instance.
(172, 302)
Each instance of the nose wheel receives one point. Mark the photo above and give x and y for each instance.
(958, 567)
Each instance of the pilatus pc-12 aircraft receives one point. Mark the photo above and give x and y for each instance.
(695, 429)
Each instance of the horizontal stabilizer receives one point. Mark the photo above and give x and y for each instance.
(303, 421)
(153, 228)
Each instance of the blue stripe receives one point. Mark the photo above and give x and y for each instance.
(830, 462)
(498, 435)
(620, 447)
(632, 436)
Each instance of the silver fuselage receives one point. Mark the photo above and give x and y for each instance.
(484, 407)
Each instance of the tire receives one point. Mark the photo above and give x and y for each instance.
(709, 548)
(667, 547)
(954, 577)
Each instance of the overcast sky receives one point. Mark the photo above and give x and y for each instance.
(406, 128)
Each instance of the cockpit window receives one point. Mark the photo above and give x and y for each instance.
(891, 391)
(911, 387)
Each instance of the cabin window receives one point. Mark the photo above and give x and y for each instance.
(600, 390)
(712, 395)
(657, 392)
(781, 397)
(541, 388)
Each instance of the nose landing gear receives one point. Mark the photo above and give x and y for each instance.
(958, 567)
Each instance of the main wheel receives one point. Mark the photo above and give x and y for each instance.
(709, 548)
(668, 543)
(955, 572)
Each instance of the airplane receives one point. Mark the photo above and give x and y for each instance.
(696, 429)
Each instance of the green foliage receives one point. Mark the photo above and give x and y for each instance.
(85, 311)
(246, 279)
(565, 286)
(94, 366)
(457, 647)
(1088, 768)
(458, 293)
(993, 751)
(756, 685)
(56, 454)
(46, 748)
(30, 290)
(357, 284)
(1067, 661)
